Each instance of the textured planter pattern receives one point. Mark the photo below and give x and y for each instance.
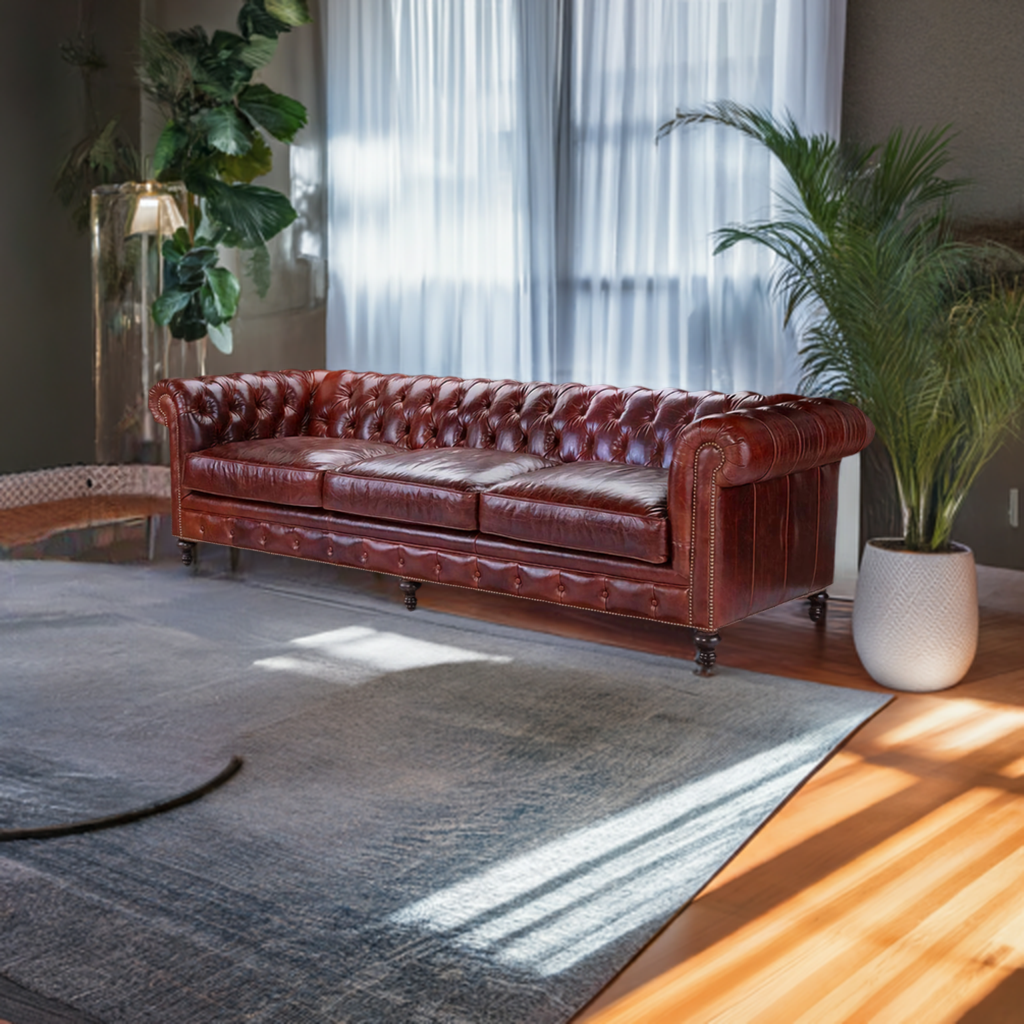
(915, 617)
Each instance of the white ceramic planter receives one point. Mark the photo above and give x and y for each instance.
(915, 616)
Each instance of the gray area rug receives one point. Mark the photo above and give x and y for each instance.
(438, 820)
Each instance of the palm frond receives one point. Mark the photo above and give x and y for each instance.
(888, 301)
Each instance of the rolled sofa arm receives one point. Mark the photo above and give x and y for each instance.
(204, 411)
(753, 502)
(772, 439)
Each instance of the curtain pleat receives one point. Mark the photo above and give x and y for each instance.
(499, 206)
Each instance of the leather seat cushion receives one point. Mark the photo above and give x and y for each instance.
(433, 486)
(605, 507)
(281, 470)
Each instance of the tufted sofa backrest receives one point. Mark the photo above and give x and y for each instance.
(565, 422)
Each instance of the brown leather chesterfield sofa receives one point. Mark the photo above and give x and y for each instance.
(695, 508)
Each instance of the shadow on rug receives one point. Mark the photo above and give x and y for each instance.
(438, 820)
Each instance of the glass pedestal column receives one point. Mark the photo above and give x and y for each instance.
(131, 351)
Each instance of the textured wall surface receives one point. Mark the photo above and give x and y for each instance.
(936, 62)
(46, 417)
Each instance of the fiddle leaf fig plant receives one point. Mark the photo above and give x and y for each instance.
(215, 140)
(199, 297)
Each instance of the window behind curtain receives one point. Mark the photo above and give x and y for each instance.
(499, 206)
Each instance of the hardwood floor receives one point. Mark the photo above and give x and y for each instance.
(888, 889)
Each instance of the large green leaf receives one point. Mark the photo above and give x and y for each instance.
(225, 289)
(221, 336)
(251, 214)
(224, 47)
(171, 144)
(213, 88)
(253, 19)
(260, 51)
(170, 302)
(188, 323)
(278, 114)
(176, 246)
(199, 178)
(254, 164)
(225, 131)
(222, 69)
(291, 12)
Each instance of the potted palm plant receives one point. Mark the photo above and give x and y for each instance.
(899, 318)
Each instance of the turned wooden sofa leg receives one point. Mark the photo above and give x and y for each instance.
(188, 551)
(705, 644)
(818, 607)
(409, 588)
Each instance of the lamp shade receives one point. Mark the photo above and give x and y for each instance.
(155, 214)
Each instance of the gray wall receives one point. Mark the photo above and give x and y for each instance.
(46, 349)
(921, 63)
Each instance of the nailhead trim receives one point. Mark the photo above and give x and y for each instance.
(711, 533)
(384, 572)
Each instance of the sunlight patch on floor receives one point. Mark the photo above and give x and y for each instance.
(548, 909)
(955, 722)
(322, 654)
(853, 916)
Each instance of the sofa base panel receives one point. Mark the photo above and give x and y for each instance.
(533, 579)
(413, 565)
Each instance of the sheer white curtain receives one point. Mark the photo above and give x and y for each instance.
(498, 206)
(440, 247)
